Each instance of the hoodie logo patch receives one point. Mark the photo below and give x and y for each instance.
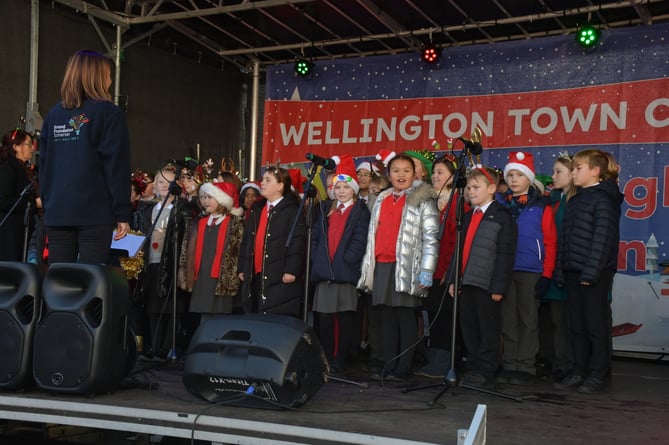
(70, 131)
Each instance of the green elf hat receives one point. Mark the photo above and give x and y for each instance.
(423, 158)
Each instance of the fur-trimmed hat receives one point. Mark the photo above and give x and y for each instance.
(521, 161)
(385, 156)
(225, 194)
(346, 172)
(371, 166)
(250, 185)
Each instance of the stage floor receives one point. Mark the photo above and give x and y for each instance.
(633, 411)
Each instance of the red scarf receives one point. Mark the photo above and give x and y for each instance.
(220, 244)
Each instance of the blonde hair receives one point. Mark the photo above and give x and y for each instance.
(568, 162)
(85, 78)
(608, 167)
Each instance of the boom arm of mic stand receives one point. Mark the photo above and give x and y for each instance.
(289, 238)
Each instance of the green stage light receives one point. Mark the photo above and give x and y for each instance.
(588, 36)
(303, 67)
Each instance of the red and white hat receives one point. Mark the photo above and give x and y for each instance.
(250, 185)
(346, 172)
(296, 180)
(521, 161)
(385, 156)
(371, 167)
(225, 193)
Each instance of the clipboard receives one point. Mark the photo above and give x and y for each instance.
(129, 243)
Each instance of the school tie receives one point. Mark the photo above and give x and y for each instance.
(341, 207)
(269, 209)
(469, 237)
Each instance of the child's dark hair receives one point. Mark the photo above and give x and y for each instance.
(448, 160)
(407, 158)
(282, 177)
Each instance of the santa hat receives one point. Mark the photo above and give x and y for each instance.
(346, 172)
(385, 156)
(372, 167)
(296, 180)
(521, 161)
(250, 185)
(225, 193)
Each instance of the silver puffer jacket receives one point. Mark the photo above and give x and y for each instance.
(417, 244)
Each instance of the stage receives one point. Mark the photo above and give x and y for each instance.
(155, 402)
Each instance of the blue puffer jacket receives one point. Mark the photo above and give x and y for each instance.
(345, 268)
(530, 251)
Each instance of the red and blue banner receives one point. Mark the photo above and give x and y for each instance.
(541, 95)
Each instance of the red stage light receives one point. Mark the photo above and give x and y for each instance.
(431, 53)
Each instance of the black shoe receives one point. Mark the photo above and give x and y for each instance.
(521, 378)
(504, 376)
(559, 375)
(592, 385)
(335, 370)
(571, 381)
(477, 380)
(386, 377)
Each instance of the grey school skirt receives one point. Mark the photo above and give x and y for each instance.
(335, 297)
(384, 293)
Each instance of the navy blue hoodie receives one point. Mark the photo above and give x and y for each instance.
(84, 165)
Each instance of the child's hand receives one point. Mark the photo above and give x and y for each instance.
(288, 278)
(424, 279)
(496, 297)
(241, 276)
(451, 290)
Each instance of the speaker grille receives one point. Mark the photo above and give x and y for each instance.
(94, 310)
(62, 351)
(11, 347)
(25, 310)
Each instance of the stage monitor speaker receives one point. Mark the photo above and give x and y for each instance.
(20, 302)
(261, 361)
(81, 342)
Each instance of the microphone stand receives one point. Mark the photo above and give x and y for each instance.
(26, 217)
(450, 379)
(26, 230)
(309, 194)
(175, 190)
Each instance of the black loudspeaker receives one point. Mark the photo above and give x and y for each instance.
(19, 310)
(81, 342)
(262, 361)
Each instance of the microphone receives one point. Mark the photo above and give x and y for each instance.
(474, 148)
(327, 163)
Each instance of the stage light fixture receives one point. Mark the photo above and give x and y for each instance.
(588, 36)
(431, 53)
(303, 67)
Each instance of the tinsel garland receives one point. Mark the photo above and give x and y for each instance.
(132, 266)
